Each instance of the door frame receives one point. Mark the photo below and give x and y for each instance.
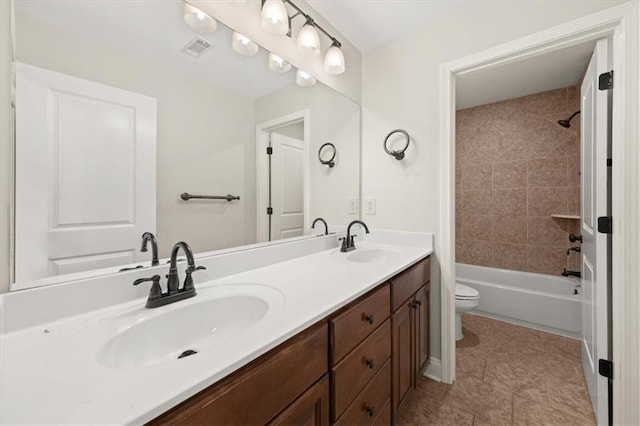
(621, 24)
(261, 165)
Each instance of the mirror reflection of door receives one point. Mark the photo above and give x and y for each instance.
(281, 182)
(85, 173)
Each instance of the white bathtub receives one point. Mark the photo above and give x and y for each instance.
(543, 302)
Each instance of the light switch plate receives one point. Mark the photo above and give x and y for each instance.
(353, 206)
(370, 206)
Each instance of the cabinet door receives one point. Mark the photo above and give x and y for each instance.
(402, 351)
(421, 328)
(310, 409)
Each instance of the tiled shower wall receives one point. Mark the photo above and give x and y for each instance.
(515, 166)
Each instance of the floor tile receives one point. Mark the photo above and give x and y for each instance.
(530, 413)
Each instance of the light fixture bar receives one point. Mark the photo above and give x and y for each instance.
(310, 21)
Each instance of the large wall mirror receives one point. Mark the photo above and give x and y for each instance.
(121, 108)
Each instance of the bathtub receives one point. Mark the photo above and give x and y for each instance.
(543, 302)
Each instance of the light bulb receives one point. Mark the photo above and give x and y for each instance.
(334, 61)
(303, 79)
(243, 45)
(199, 21)
(275, 19)
(277, 64)
(309, 40)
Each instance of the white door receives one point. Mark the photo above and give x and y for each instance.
(594, 117)
(287, 187)
(85, 174)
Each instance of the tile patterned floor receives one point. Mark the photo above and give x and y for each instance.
(506, 375)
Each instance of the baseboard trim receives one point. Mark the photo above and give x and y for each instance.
(434, 370)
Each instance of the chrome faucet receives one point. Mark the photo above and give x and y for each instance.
(326, 227)
(148, 237)
(174, 292)
(348, 243)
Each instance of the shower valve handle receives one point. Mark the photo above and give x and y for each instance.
(573, 238)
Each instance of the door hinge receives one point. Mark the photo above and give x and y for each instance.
(269, 150)
(605, 224)
(609, 162)
(605, 81)
(269, 210)
(605, 368)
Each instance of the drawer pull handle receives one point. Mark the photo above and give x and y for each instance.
(369, 318)
(369, 410)
(370, 363)
(418, 302)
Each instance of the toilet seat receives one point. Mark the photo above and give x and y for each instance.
(464, 292)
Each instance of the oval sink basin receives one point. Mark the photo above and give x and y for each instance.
(136, 337)
(184, 331)
(371, 255)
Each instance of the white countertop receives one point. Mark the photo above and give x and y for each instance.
(36, 387)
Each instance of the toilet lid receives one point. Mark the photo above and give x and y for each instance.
(466, 292)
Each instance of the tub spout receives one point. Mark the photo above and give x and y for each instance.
(566, 273)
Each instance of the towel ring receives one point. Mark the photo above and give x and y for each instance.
(399, 155)
(330, 161)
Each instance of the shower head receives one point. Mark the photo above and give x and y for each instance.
(567, 123)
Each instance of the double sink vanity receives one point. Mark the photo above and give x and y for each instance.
(297, 332)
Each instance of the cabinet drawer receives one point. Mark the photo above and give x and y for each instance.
(405, 284)
(359, 367)
(370, 403)
(384, 419)
(353, 325)
(258, 392)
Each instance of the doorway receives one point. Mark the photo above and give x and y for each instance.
(282, 177)
(622, 24)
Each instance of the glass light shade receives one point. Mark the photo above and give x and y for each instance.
(199, 21)
(275, 19)
(303, 79)
(277, 64)
(334, 61)
(309, 41)
(243, 45)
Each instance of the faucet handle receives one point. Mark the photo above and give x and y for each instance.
(155, 291)
(188, 281)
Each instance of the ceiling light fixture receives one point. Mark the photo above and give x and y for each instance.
(308, 39)
(334, 59)
(277, 64)
(243, 45)
(275, 19)
(199, 21)
(303, 79)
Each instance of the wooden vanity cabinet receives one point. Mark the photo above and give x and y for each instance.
(293, 375)
(360, 337)
(409, 330)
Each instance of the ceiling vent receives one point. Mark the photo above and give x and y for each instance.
(196, 47)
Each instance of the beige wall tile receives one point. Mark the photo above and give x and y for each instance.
(510, 229)
(547, 259)
(478, 252)
(510, 202)
(510, 256)
(477, 202)
(573, 170)
(477, 228)
(551, 102)
(510, 174)
(547, 230)
(477, 176)
(573, 200)
(548, 172)
(547, 201)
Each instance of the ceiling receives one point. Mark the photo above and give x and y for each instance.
(154, 30)
(554, 70)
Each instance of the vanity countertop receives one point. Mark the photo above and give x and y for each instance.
(38, 386)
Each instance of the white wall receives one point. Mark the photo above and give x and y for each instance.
(205, 135)
(6, 144)
(332, 118)
(401, 89)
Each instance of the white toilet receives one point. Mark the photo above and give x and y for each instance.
(467, 298)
